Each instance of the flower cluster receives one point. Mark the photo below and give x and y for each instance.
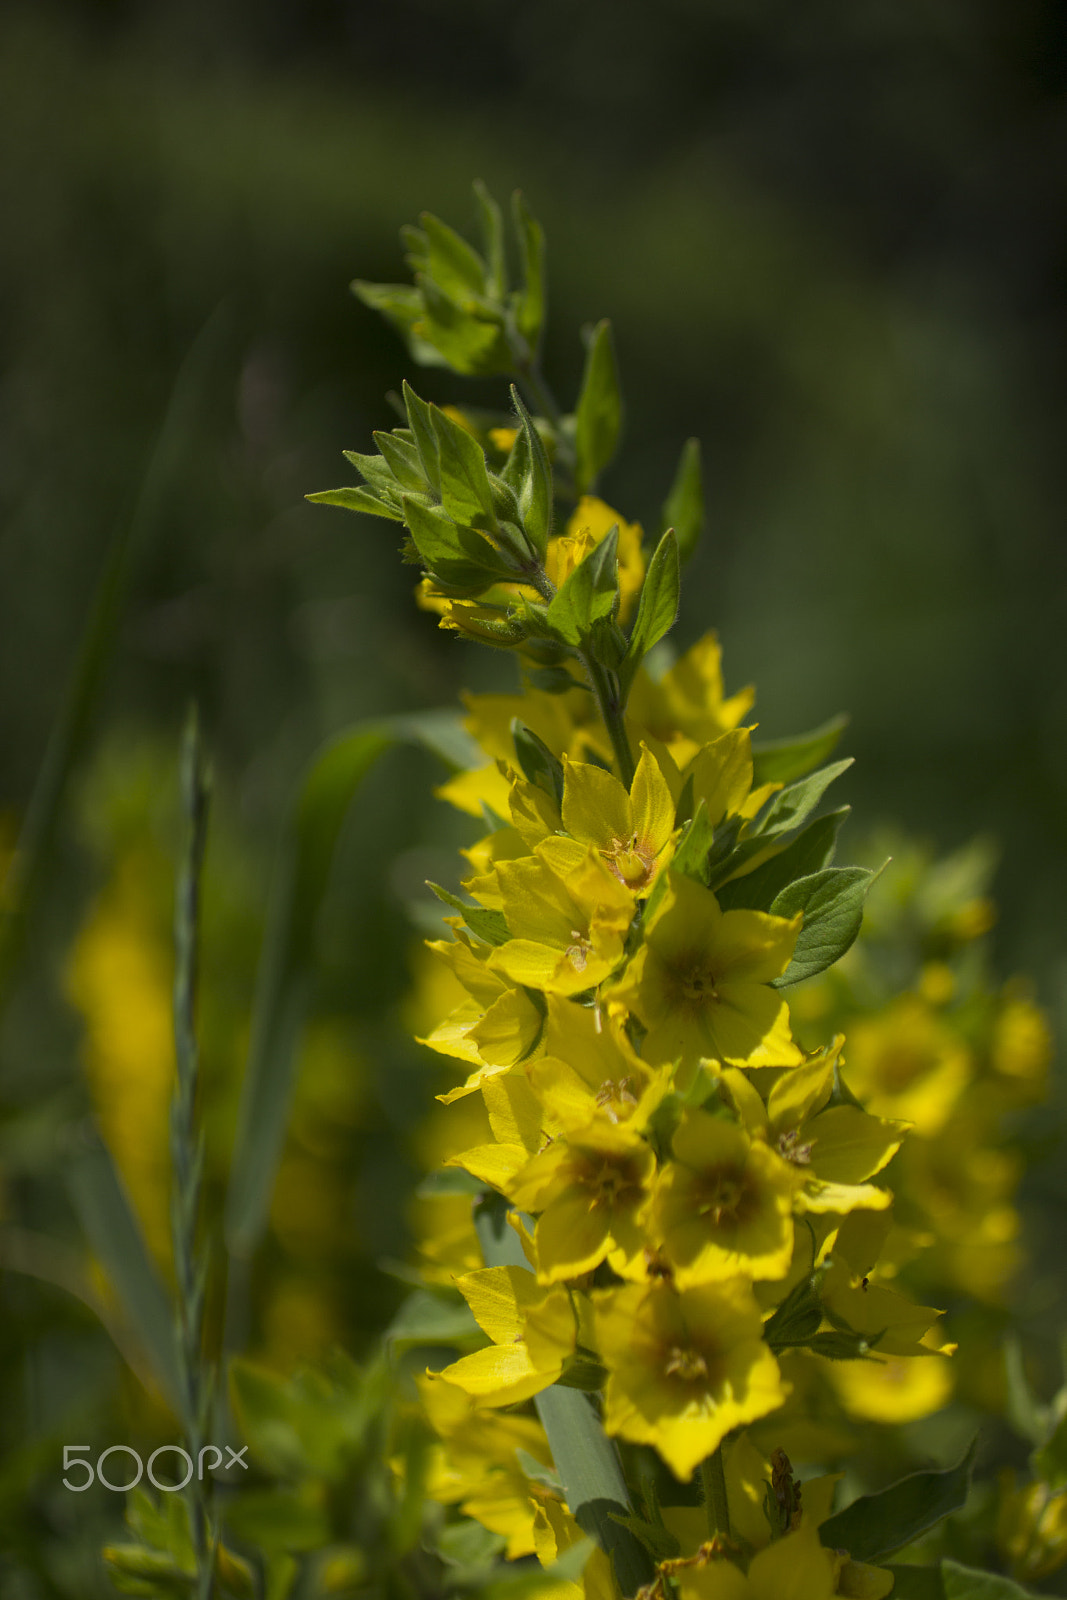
(678, 1228)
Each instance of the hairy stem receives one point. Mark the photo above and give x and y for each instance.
(606, 688)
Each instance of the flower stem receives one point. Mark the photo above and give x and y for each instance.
(713, 1478)
(606, 688)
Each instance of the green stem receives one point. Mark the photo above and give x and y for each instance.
(713, 1478)
(606, 688)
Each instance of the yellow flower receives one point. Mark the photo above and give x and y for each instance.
(906, 1062)
(495, 1027)
(630, 831)
(724, 1204)
(1032, 1528)
(590, 1068)
(687, 708)
(893, 1391)
(699, 982)
(592, 1191)
(568, 926)
(683, 1369)
(533, 1332)
(795, 1567)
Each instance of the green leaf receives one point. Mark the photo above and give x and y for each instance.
(496, 278)
(598, 415)
(691, 856)
(657, 610)
(529, 303)
(356, 499)
(797, 1319)
(285, 972)
(877, 1524)
(468, 1544)
(793, 805)
(534, 490)
(114, 1234)
(469, 336)
(450, 261)
(809, 852)
(488, 925)
(420, 421)
(539, 765)
(589, 594)
(459, 558)
(279, 1519)
(401, 306)
(553, 680)
(832, 903)
(401, 460)
(683, 509)
(465, 489)
(427, 1318)
(783, 760)
(967, 1583)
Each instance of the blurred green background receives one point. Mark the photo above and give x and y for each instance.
(831, 240)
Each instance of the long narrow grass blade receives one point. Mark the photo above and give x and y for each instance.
(73, 724)
(285, 975)
(114, 1234)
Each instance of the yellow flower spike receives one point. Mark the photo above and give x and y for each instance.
(533, 1332)
(724, 1204)
(700, 982)
(568, 931)
(630, 831)
(795, 1567)
(589, 1069)
(684, 1368)
(592, 1192)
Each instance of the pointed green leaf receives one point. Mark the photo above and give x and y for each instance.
(535, 490)
(539, 765)
(589, 594)
(489, 926)
(401, 459)
(529, 303)
(356, 499)
(496, 281)
(793, 805)
(832, 903)
(877, 1524)
(420, 421)
(809, 852)
(783, 760)
(657, 610)
(465, 490)
(470, 337)
(683, 509)
(598, 415)
(450, 261)
(691, 856)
